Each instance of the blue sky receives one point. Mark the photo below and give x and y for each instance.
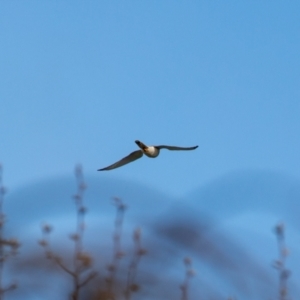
(81, 80)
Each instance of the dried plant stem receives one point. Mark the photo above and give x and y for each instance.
(131, 285)
(82, 261)
(11, 243)
(78, 236)
(189, 273)
(117, 251)
(2, 193)
(280, 263)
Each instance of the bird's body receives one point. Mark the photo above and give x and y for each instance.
(150, 151)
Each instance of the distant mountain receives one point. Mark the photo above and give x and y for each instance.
(53, 197)
(224, 226)
(240, 211)
(244, 191)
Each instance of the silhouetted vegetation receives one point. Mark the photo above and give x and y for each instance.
(8, 247)
(122, 276)
(280, 263)
(189, 273)
(81, 270)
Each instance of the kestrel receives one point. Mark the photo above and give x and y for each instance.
(150, 151)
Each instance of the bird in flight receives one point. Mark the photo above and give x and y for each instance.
(150, 151)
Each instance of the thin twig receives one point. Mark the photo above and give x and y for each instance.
(189, 273)
(131, 285)
(81, 260)
(12, 244)
(117, 251)
(91, 276)
(280, 263)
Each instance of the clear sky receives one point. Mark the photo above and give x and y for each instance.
(81, 80)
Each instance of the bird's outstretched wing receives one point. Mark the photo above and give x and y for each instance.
(175, 147)
(129, 158)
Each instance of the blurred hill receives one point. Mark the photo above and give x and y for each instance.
(224, 226)
(53, 198)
